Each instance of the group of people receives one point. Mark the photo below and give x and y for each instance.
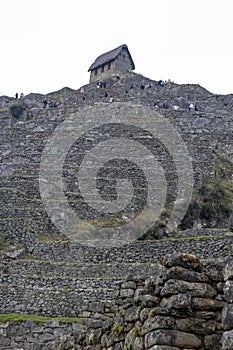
(192, 106)
(17, 95)
(164, 105)
(47, 104)
(145, 86)
(101, 84)
(148, 85)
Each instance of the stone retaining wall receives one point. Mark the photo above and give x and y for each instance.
(57, 296)
(227, 315)
(23, 139)
(138, 251)
(179, 308)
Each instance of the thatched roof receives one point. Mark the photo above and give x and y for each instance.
(109, 56)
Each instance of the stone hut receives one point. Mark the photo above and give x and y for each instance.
(116, 61)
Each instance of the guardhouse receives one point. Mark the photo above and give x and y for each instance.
(116, 61)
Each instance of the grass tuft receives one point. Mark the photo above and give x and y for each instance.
(36, 318)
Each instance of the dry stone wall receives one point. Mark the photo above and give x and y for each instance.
(214, 246)
(178, 308)
(227, 314)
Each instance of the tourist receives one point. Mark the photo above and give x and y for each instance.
(45, 102)
(161, 83)
(196, 107)
(191, 107)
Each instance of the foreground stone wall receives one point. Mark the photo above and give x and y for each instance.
(65, 278)
(227, 315)
(29, 335)
(178, 308)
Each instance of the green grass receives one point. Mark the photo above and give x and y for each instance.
(36, 318)
(49, 238)
(194, 238)
(213, 201)
(119, 329)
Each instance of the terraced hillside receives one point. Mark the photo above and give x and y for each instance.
(26, 127)
(43, 271)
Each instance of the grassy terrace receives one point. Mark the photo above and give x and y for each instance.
(36, 318)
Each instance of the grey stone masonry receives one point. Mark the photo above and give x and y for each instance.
(177, 308)
(227, 314)
(26, 127)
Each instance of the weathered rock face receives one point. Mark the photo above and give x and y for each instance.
(144, 315)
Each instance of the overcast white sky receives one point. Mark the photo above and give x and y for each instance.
(49, 44)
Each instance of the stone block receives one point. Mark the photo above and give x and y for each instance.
(207, 304)
(178, 301)
(228, 269)
(129, 285)
(178, 272)
(188, 261)
(213, 342)
(202, 290)
(227, 317)
(132, 314)
(227, 340)
(149, 300)
(127, 293)
(196, 325)
(172, 338)
(96, 307)
(228, 291)
(157, 322)
(46, 337)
